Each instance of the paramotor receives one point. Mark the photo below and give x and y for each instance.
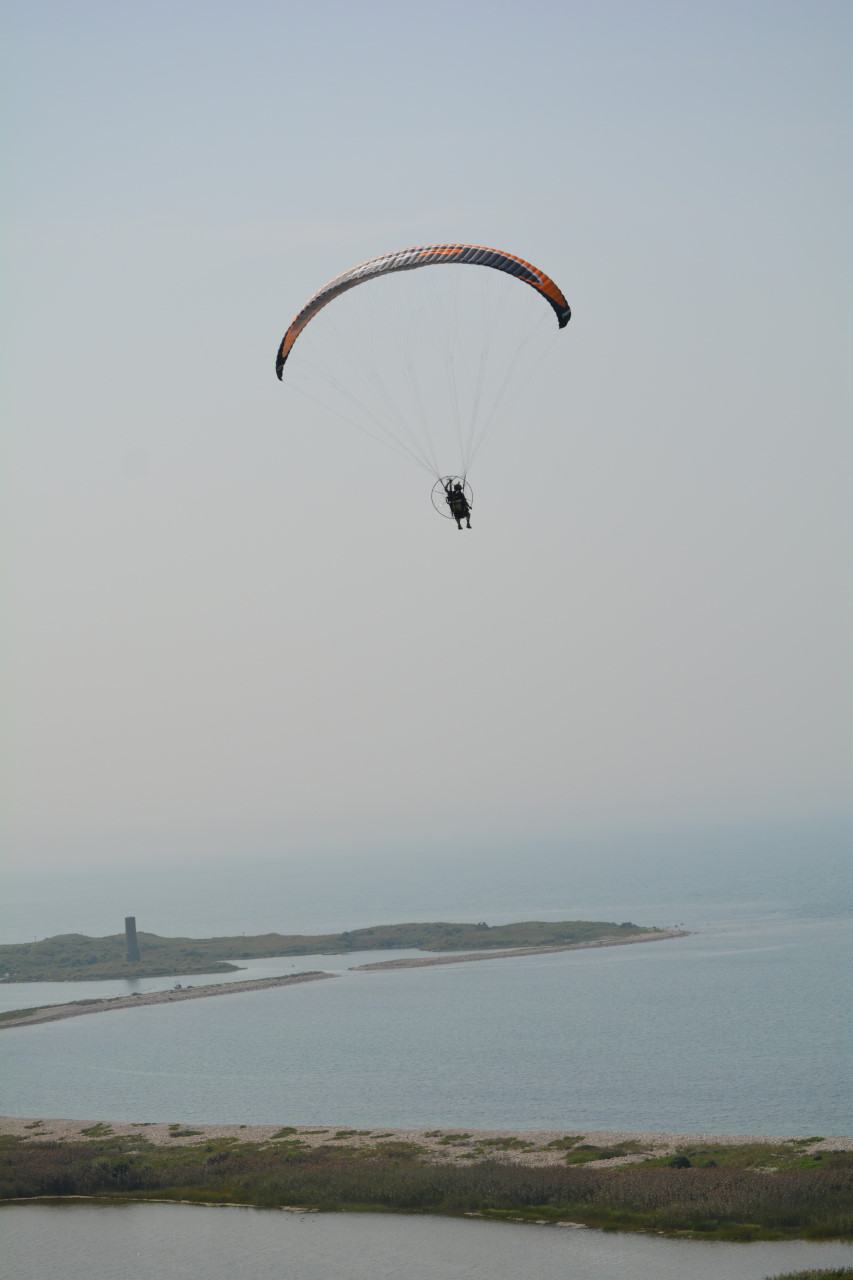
(413, 357)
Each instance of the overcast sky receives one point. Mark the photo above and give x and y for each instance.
(234, 624)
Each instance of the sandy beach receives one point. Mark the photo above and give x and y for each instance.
(526, 1147)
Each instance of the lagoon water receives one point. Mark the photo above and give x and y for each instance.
(100, 1242)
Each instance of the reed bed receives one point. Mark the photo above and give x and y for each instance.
(718, 1202)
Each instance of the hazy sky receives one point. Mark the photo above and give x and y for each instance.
(235, 625)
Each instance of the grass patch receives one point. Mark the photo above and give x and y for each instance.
(831, 1273)
(769, 1156)
(11, 1014)
(394, 1149)
(584, 1152)
(505, 1144)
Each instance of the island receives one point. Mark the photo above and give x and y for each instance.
(73, 957)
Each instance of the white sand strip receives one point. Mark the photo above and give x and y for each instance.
(437, 1144)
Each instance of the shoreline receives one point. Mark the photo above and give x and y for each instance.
(76, 1009)
(517, 1146)
(659, 935)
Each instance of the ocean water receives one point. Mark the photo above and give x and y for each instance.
(101, 1242)
(725, 1031)
(742, 1027)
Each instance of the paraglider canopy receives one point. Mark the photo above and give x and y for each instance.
(429, 363)
(410, 260)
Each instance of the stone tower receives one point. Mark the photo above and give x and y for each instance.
(130, 935)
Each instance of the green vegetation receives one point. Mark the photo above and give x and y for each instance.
(767, 1157)
(713, 1203)
(16, 1013)
(833, 1273)
(584, 1152)
(71, 957)
(504, 1144)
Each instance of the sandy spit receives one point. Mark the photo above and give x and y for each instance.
(438, 1145)
(657, 936)
(56, 1012)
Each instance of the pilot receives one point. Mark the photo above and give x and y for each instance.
(460, 508)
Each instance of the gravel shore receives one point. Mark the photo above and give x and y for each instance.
(529, 1147)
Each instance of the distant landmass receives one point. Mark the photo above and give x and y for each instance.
(73, 957)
